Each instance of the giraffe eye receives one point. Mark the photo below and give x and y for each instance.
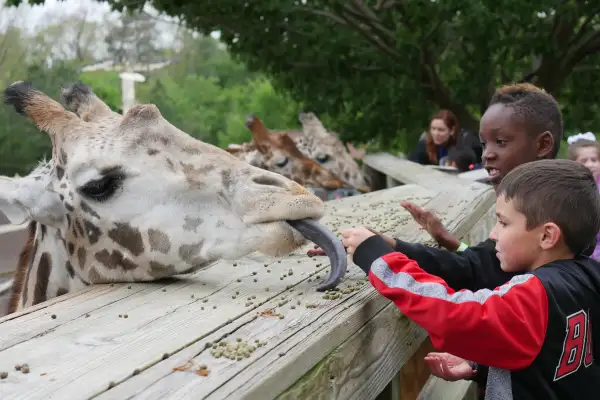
(102, 189)
(322, 158)
(281, 163)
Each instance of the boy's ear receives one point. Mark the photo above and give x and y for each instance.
(551, 235)
(545, 145)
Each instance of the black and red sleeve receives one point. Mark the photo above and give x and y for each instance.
(503, 328)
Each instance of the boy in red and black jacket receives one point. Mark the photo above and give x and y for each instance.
(523, 123)
(535, 330)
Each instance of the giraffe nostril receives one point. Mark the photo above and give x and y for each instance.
(269, 181)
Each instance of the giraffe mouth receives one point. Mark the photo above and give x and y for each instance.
(325, 239)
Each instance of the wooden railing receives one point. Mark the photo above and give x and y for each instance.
(155, 340)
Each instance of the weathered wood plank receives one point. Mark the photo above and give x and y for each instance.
(80, 355)
(405, 171)
(439, 389)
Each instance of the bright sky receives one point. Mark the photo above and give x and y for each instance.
(34, 17)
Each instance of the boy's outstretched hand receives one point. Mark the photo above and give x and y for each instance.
(449, 367)
(432, 224)
(317, 251)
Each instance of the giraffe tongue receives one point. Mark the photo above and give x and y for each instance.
(325, 239)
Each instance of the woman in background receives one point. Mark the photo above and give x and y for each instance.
(441, 136)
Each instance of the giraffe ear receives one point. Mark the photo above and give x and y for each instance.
(16, 213)
(28, 198)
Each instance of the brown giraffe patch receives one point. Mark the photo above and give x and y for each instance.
(71, 247)
(192, 174)
(79, 228)
(115, 260)
(85, 207)
(170, 164)
(93, 232)
(192, 224)
(60, 172)
(43, 275)
(94, 276)
(226, 178)
(158, 270)
(127, 237)
(22, 271)
(81, 256)
(70, 269)
(159, 241)
(189, 252)
(152, 152)
(69, 207)
(63, 156)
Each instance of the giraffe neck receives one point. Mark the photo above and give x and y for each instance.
(44, 269)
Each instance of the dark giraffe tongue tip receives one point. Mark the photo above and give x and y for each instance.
(325, 239)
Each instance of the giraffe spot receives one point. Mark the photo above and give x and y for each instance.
(128, 237)
(159, 270)
(63, 186)
(93, 232)
(192, 175)
(79, 228)
(68, 221)
(69, 207)
(85, 207)
(74, 231)
(94, 276)
(152, 152)
(63, 156)
(43, 275)
(29, 267)
(61, 291)
(81, 256)
(170, 164)
(43, 231)
(159, 241)
(60, 172)
(70, 269)
(226, 178)
(71, 248)
(115, 260)
(191, 224)
(61, 197)
(189, 253)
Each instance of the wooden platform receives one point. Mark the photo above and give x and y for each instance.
(149, 341)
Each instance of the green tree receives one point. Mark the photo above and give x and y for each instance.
(382, 67)
(22, 144)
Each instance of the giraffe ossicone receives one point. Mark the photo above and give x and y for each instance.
(133, 198)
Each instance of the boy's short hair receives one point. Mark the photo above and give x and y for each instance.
(559, 191)
(536, 108)
(573, 151)
(464, 158)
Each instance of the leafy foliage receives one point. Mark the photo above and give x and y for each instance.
(382, 67)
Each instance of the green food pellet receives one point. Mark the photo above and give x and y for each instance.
(53, 316)
(164, 290)
(239, 280)
(281, 317)
(3, 375)
(205, 301)
(238, 340)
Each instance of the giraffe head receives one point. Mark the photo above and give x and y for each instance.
(133, 198)
(325, 147)
(278, 153)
